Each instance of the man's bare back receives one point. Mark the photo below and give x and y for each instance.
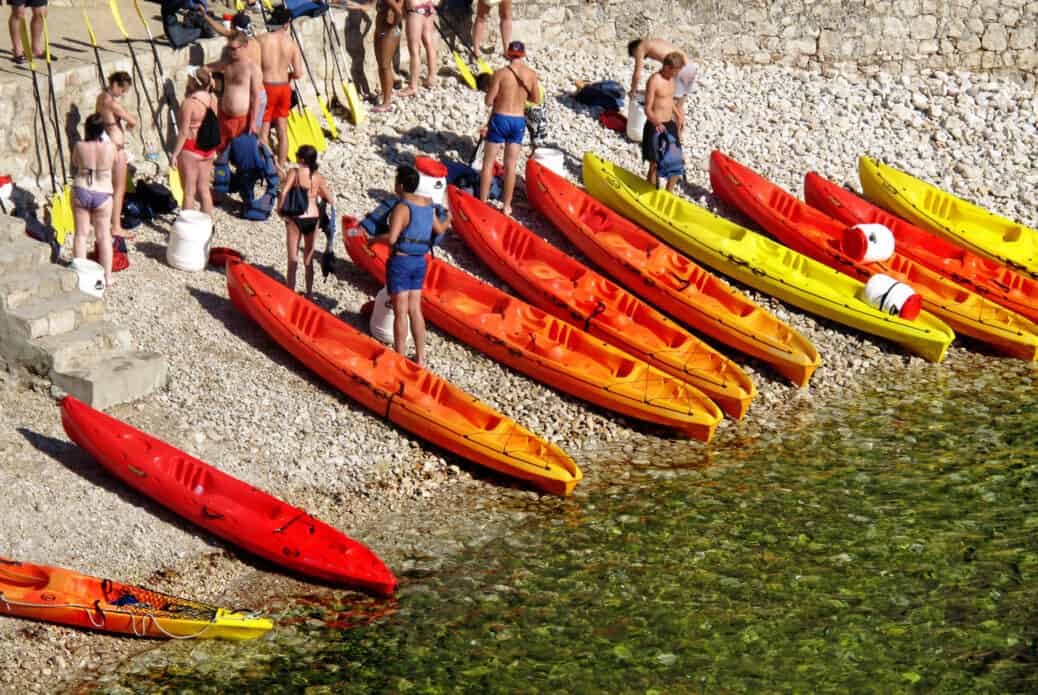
(278, 54)
(653, 49)
(511, 87)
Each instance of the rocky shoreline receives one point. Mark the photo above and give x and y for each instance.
(239, 402)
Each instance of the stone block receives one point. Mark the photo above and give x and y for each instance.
(990, 59)
(804, 47)
(928, 46)
(894, 26)
(969, 43)
(923, 27)
(1027, 60)
(1022, 38)
(1009, 17)
(105, 380)
(995, 38)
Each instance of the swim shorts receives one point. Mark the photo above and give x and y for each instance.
(279, 101)
(405, 274)
(506, 129)
(231, 127)
(27, 3)
(649, 139)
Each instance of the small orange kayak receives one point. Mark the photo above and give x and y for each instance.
(548, 349)
(396, 388)
(57, 595)
(815, 234)
(1012, 289)
(551, 279)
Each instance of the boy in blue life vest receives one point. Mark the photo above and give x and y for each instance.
(413, 228)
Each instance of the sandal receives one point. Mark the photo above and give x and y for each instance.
(381, 108)
(18, 60)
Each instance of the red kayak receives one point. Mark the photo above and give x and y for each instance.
(564, 287)
(229, 508)
(1014, 290)
(815, 234)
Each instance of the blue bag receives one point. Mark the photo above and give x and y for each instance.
(670, 161)
(467, 179)
(305, 8)
(608, 94)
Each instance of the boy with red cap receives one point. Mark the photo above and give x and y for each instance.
(510, 88)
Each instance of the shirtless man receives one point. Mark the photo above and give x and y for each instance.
(279, 55)
(243, 23)
(117, 120)
(658, 49)
(510, 88)
(242, 86)
(661, 113)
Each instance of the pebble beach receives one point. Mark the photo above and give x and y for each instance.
(239, 402)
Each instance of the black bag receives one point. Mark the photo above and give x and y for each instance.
(208, 137)
(608, 94)
(156, 197)
(297, 200)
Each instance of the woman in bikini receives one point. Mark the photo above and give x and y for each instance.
(388, 20)
(195, 164)
(421, 16)
(116, 119)
(93, 159)
(304, 225)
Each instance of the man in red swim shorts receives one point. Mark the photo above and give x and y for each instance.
(280, 54)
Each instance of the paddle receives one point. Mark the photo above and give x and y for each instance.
(483, 67)
(463, 68)
(332, 129)
(174, 175)
(349, 89)
(62, 218)
(97, 53)
(56, 199)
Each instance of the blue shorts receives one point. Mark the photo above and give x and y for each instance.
(405, 274)
(507, 129)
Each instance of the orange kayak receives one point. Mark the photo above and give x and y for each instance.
(57, 595)
(396, 388)
(548, 349)
(1012, 289)
(561, 285)
(815, 234)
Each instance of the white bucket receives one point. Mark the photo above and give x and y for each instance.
(551, 158)
(636, 117)
(91, 276)
(892, 297)
(382, 316)
(432, 179)
(188, 247)
(868, 243)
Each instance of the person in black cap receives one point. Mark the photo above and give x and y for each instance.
(510, 88)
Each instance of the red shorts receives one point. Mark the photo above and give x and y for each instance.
(231, 127)
(279, 101)
(192, 147)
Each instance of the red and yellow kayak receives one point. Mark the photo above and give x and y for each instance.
(563, 286)
(396, 388)
(819, 236)
(57, 595)
(220, 503)
(1012, 289)
(548, 349)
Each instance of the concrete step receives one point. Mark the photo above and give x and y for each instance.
(109, 378)
(22, 256)
(54, 316)
(47, 281)
(58, 352)
(11, 228)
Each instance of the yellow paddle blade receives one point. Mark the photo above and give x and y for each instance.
(46, 40)
(61, 217)
(483, 67)
(332, 129)
(239, 5)
(268, 4)
(114, 6)
(27, 43)
(298, 132)
(315, 136)
(353, 101)
(464, 71)
(175, 187)
(90, 28)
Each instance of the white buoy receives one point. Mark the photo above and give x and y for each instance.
(432, 179)
(91, 276)
(382, 316)
(892, 297)
(188, 247)
(868, 243)
(551, 158)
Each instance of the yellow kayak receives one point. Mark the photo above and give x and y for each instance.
(958, 221)
(758, 261)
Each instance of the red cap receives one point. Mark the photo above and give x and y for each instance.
(430, 167)
(854, 244)
(911, 308)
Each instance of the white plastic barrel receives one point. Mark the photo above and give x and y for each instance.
(188, 247)
(892, 297)
(382, 316)
(91, 276)
(551, 158)
(868, 243)
(636, 117)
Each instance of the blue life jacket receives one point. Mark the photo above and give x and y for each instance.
(377, 222)
(417, 237)
(670, 161)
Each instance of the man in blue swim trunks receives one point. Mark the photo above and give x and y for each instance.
(510, 88)
(413, 227)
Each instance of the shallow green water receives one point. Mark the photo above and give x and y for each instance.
(889, 544)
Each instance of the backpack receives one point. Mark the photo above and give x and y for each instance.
(608, 94)
(467, 179)
(156, 197)
(208, 137)
(670, 161)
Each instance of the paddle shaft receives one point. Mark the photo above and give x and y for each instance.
(140, 75)
(97, 52)
(306, 61)
(57, 118)
(27, 48)
(170, 104)
(332, 39)
(456, 33)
